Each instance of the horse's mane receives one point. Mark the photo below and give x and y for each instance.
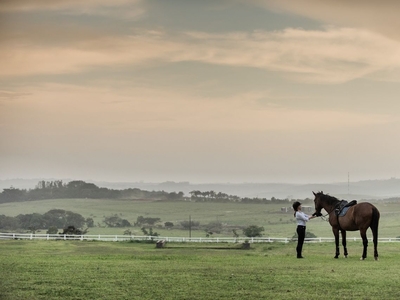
(328, 198)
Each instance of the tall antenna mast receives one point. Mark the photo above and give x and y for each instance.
(348, 183)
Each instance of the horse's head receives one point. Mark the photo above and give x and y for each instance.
(318, 204)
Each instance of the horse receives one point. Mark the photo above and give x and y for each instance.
(360, 217)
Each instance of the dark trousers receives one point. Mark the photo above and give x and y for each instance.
(301, 234)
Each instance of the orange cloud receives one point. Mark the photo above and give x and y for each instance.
(333, 55)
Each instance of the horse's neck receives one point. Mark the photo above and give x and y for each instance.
(330, 207)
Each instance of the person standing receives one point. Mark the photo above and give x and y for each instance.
(301, 219)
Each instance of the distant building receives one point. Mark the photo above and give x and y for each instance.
(303, 208)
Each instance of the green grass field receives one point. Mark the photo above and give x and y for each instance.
(127, 270)
(276, 223)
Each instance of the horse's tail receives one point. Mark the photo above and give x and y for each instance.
(375, 223)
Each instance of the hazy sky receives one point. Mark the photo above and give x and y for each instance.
(201, 91)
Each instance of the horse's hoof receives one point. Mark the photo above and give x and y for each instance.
(362, 258)
(336, 257)
(376, 258)
(345, 256)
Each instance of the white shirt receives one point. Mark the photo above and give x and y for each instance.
(301, 218)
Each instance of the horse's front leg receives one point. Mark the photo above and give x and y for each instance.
(363, 233)
(344, 243)
(336, 234)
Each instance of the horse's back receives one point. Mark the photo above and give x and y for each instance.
(364, 214)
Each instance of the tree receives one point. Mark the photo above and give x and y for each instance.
(31, 221)
(192, 224)
(89, 222)
(61, 218)
(146, 221)
(72, 230)
(253, 231)
(195, 194)
(52, 230)
(128, 232)
(214, 227)
(116, 221)
(7, 222)
(150, 232)
(12, 194)
(168, 225)
(309, 235)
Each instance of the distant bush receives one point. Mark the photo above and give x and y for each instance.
(116, 221)
(253, 231)
(309, 235)
(168, 225)
(192, 224)
(146, 221)
(52, 230)
(149, 232)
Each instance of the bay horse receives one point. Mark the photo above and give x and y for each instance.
(360, 217)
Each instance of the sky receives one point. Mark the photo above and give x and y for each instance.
(210, 91)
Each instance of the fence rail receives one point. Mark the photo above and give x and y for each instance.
(121, 238)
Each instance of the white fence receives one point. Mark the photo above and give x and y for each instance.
(121, 238)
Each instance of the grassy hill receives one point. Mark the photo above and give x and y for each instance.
(232, 215)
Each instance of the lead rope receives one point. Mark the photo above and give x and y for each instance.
(324, 217)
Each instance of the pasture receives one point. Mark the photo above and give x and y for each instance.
(232, 215)
(128, 270)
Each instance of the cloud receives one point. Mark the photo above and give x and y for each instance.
(11, 95)
(377, 16)
(330, 55)
(73, 5)
(124, 110)
(333, 55)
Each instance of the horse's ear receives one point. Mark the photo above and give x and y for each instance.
(314, 193)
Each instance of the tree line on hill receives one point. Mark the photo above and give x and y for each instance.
(80, 189)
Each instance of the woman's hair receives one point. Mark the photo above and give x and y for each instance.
(296, 207)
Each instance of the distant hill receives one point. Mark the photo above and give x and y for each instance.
(361, 190)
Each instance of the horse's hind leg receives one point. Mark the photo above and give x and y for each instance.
(344, 243)
(363, 233)
(375, 240)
